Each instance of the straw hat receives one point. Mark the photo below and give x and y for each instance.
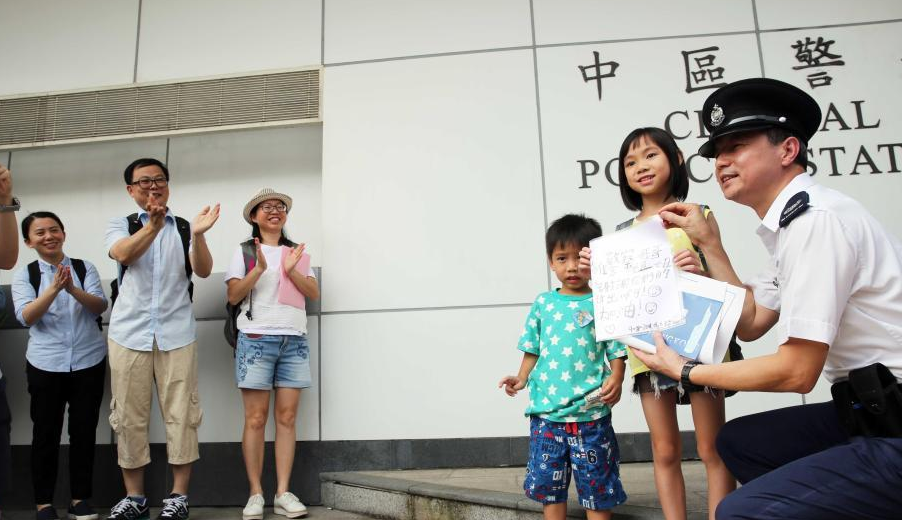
(264, 194)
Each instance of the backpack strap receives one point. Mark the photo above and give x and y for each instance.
(249, 253)
(701, 256)
(625, 224)
(134, 225)
(184, 229)
(81, 270)
(34, 276)
(78, 265)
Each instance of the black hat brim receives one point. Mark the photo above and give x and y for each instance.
(707, 149)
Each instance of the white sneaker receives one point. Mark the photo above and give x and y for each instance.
(254, 508)
(288, 505)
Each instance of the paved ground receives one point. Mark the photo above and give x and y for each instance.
(638, 481)
(219, 513)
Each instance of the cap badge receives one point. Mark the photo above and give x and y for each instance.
(716, 115)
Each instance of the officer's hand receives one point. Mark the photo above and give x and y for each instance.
(691, 219)
(665, 360)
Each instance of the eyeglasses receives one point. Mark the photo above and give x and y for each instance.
(274, 208)
(146, 182)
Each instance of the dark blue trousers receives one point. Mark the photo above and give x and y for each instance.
(798, 463)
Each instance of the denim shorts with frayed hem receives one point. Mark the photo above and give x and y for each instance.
(264, 361)
(587, 449)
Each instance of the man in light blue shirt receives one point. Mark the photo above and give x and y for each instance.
(152, 336)
(60, 299)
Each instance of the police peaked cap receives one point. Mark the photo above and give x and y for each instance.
(758, 104)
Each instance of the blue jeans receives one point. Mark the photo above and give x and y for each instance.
(799, 463)
(263, 361)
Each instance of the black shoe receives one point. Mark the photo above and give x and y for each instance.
(130, 509)
(174, 508)
(82, 511)
(48, 513)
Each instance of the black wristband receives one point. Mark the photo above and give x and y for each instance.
(684, 374)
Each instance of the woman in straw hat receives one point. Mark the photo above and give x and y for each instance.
(270, 277)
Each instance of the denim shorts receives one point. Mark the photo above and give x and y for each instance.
(587, 449)
(263, 361)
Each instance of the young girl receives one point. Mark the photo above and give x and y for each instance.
(59, 299)
(652, 173)
(272, 349)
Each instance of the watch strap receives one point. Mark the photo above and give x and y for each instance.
(6, 208)
(684, 374)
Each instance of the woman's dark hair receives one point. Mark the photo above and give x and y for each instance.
(26, 222)
(140, 163)
(255, 231)
(679, 177)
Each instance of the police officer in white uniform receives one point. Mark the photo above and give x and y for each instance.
(835, 291)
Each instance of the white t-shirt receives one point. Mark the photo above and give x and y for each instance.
(269, 316)
(836, 278)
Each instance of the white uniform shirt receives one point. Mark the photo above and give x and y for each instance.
(836, 278)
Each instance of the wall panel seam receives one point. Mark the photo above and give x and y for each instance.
(601, 42)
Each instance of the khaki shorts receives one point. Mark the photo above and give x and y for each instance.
(132, 374)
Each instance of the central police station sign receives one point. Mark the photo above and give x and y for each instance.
(836, 160)
(592, 95)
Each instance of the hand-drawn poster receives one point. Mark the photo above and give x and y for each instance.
(634, 284)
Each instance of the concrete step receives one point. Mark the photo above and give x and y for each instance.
(486, 493)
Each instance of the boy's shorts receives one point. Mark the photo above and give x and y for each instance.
(589, 448)
(263, 361)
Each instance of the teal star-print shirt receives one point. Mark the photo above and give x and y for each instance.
(571, 365)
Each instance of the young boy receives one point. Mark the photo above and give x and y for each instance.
(571, 388)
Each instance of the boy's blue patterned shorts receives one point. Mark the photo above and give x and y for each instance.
(588, 449)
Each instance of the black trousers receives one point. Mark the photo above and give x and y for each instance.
(5, 425)
(82, 390)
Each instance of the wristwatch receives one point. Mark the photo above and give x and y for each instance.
(684, 374)
(11, 207)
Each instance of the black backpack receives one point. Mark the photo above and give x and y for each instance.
(34, 276)
(230, 329)
(184, 229)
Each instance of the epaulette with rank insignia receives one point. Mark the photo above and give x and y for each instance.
(795, 206)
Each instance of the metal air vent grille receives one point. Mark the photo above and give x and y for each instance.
(283, 98)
